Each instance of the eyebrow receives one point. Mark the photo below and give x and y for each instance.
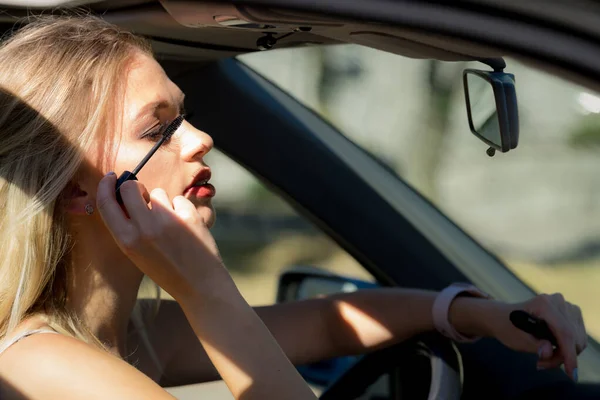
(157, 105)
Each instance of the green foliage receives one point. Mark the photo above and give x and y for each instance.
(586, 133)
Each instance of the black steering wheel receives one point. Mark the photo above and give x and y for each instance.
(429, 367)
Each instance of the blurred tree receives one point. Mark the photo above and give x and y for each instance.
(586, 133)
(337, 65)
(442, 80)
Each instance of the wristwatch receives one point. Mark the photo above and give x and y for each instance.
(442, 303)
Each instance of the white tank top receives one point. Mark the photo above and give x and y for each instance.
(23, 335)
(136, 321)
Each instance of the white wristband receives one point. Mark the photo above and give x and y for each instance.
(441, 305)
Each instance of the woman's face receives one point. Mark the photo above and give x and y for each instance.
(151, 102)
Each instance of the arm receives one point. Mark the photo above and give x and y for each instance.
(307, 331)
(359, 322)
(168, 240)
(184, 360)
(66, 368)
(241, 347)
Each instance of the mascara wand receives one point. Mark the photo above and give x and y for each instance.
(131, 176)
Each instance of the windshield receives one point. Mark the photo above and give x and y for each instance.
(537, 207)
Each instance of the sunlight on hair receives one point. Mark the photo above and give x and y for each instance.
(60, 85)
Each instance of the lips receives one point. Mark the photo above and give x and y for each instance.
(199, 187)
(200, 179)
(204, 191)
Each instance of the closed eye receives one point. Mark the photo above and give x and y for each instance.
(157, 131)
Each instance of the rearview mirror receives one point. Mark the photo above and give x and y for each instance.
(492, 108)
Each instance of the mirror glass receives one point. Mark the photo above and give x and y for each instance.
(313, 286)
(483, 109)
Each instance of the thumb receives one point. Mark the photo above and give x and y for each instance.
(544, 349)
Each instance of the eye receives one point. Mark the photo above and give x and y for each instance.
(156, 133)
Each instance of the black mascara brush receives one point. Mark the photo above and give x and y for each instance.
(132, 175)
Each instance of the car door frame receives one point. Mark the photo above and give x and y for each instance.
(401, 238)
(433, 245)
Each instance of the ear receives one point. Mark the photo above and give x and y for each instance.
(75, 199)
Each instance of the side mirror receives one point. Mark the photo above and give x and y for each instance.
(492, 108)
(304, 282)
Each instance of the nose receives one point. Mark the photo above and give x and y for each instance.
(194, 143)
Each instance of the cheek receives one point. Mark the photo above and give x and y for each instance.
(161, 171)
(127, 156)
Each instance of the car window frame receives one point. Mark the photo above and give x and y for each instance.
(264, 99)
(483, 267)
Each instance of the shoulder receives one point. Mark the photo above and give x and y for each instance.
(49, 366)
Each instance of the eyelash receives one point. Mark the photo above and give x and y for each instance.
(157, 133)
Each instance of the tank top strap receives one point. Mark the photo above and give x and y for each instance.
(23, 335)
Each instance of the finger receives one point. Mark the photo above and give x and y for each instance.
(554, 362)
(133, 196)
(558, 300)
(566, 352)
(146, 195)
(548, 309)
(581, 335)
(556, 359)
(186, 210)
(574, 320)
(159, 199)
(545, 350)
(109, 209)
(547, 364)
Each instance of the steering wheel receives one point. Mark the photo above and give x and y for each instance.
(429, 367)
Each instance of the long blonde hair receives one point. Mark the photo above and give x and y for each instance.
(60, 81)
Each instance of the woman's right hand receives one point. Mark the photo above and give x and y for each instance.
(170, 242)
(167, 240)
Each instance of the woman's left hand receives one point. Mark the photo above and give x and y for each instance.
(564, 320)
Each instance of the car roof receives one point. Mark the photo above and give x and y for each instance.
(197, 31)
(561, 36)
(172, 20)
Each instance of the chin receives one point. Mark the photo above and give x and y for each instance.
(208, 214)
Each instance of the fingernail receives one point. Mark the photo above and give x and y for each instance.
(540, 351)
(110, 173)
(575, 375)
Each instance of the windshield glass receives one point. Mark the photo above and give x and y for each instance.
(537, 207)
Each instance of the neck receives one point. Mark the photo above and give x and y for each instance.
(103, 290)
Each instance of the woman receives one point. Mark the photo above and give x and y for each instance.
(81, 97)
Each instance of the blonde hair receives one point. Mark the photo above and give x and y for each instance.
(60, 81)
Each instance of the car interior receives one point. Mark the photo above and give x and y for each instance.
(286, 144)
